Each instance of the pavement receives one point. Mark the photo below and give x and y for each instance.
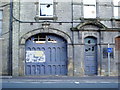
(110, 83)
(85, 79)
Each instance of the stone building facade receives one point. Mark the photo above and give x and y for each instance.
(68, 39)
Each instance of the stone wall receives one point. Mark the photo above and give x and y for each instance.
(68, 22)
(4, 6)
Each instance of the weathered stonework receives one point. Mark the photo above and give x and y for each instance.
(70, 24)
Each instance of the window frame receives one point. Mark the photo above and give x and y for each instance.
(39, 9)
(117, 8)
(89, 5)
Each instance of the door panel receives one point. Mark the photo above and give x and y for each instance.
(90, 56)
(46, 55)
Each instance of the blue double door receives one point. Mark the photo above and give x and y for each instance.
(46, 54)
(90, 57)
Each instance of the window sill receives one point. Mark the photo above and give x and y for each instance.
(45, 18)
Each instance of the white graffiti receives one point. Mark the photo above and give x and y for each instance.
(35, 56)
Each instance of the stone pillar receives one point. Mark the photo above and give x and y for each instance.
(15, 41)
(99, 55)
(70, 60)
(1, 60)
(22, 60)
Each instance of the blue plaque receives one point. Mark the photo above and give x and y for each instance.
(109, 50)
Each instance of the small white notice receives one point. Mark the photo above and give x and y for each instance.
(35, 56)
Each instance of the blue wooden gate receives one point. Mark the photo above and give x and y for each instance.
(90, 56)
(46, 55)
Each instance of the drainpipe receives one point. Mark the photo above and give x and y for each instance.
(10, 38)
(73, 39)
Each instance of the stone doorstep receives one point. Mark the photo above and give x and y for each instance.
(5, 77)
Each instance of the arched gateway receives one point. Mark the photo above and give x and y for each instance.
(46, 54)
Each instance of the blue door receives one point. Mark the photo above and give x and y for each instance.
(46, 55)
(90, 56)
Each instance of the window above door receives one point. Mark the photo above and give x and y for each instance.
(89, 8)
(46, 8)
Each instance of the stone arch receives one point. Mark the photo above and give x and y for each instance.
(118, 36)
(41, 30)
(93, 23)
(117, 42)
(115, 36)
(37, 31)
(91, 35)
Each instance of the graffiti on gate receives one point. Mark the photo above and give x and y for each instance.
(35, 56)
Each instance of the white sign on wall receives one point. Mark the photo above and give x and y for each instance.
(35, 56)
